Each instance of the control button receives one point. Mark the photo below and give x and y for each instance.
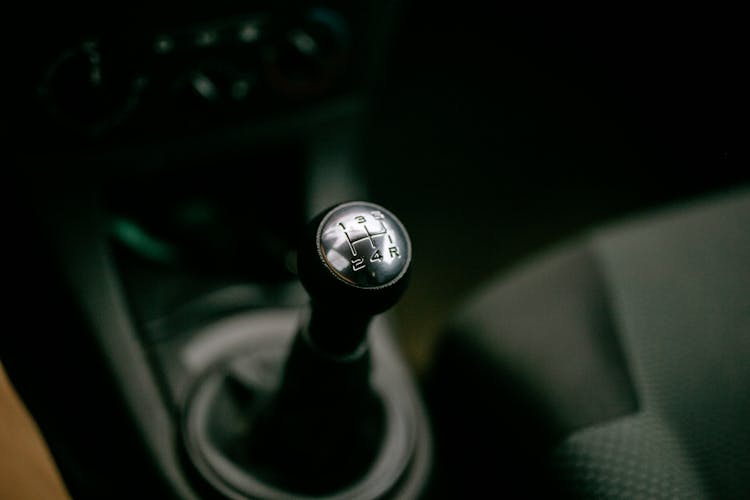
(308, 57)
(89, 90)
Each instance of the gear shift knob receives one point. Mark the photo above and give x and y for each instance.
(354, 262)
(363, 245)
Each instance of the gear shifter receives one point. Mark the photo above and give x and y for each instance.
(325, 423)
(339, 417)
(354, 262)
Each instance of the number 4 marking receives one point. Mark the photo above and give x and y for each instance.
(376, 256)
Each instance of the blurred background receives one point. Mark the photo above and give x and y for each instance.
(493, 131)
(500, 131)
(194, 140)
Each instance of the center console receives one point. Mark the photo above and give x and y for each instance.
(170, 160)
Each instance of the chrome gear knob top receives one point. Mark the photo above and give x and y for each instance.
(363, 245)
(354, 261)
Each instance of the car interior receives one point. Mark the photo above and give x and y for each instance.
(375, 249)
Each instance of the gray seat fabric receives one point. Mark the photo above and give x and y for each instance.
(679, 285)
(631, 349)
